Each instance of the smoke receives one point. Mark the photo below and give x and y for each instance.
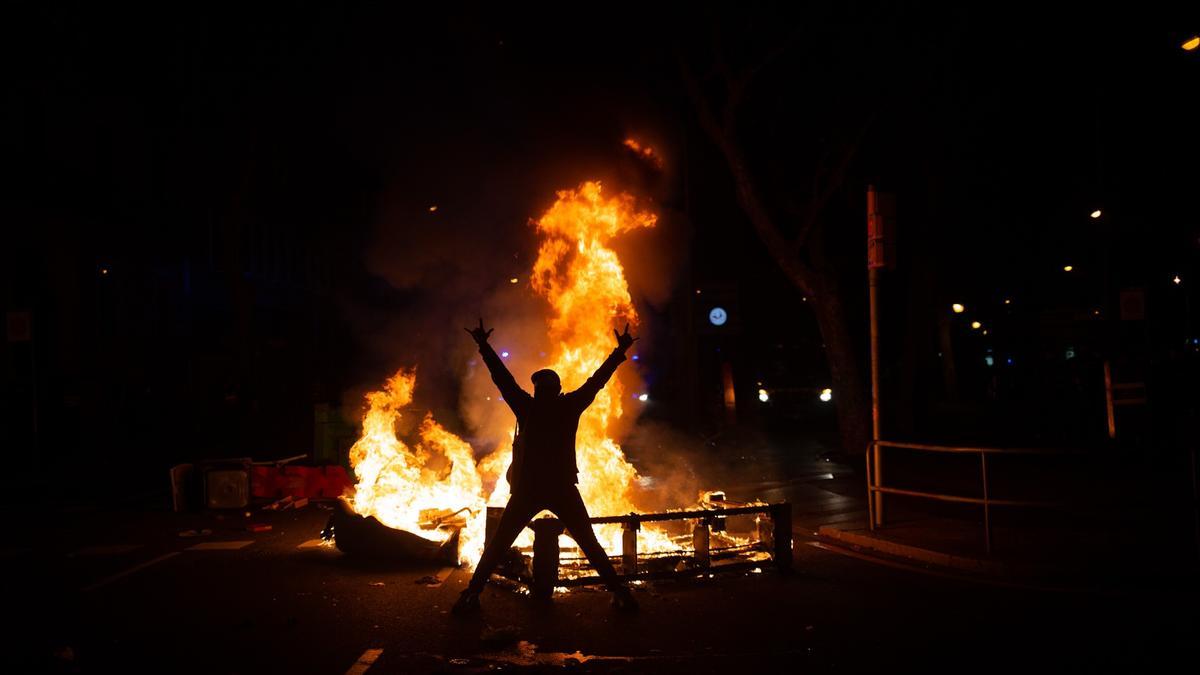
(672, 464)
(441, 269)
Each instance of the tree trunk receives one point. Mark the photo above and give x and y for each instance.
(822, 283)
(811, 277)
(850, 394)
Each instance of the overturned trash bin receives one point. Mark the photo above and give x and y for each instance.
(366, 537)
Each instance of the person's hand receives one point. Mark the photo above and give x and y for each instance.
(624, 340)
(481, 336)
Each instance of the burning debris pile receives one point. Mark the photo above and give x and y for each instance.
(431, 487)
(433, 484)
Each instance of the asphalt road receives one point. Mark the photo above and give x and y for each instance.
(120, 590)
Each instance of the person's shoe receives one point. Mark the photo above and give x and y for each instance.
(622, 600)
(467, 603)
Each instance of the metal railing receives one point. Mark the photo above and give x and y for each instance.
(875, 487)
(1120, 394)
(774, 535)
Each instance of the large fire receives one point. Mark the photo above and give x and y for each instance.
(399, 485)
(583, 282)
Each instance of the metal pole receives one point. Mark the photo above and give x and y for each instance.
(545, 557)
(870, 490)
(700, 542)
(1108, 400)
(781, 535)
(629, 547)
(875, 257)
(873, 276)
(987, 519)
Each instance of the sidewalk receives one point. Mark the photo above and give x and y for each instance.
(1133, 541)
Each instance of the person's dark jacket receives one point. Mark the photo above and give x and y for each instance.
(544, 450)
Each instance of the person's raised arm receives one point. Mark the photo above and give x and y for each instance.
(584, 395)
(509, 389)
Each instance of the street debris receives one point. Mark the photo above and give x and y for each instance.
(279, 505)
(286, 503)
(365, 536)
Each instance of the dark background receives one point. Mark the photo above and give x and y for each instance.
(218, 221)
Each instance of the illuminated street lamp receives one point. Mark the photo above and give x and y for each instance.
(1068, 268)
(763, 395)
(1177, 280)
(958, 308)
(975, 325)
(1096, 214)
(826, 395)
(1191, 44)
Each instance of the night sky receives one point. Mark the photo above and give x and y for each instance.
(141, 142)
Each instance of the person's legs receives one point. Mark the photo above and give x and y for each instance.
(569, 507)
(516, 516)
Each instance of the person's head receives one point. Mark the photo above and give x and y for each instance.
(546, 384)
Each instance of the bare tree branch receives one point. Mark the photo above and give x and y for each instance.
(748, 196)
(808, 273)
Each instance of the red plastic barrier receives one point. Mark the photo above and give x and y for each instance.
(264, 481)
(336, 482)
(275, 482)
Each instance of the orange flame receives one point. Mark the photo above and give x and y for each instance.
(644, 152)
(398, 485)
(582, 279)
(583, 282)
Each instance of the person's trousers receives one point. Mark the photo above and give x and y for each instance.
(563, 502)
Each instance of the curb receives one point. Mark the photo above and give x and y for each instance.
(864, 540)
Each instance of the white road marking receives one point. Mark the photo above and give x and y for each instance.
(112, 549)
(220, 546)
(364, 662)
(121, 575)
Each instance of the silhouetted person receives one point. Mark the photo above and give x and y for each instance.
(543, 473)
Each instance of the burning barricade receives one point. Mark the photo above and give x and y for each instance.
(433, 489)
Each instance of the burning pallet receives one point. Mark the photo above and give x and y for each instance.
(541, 572)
